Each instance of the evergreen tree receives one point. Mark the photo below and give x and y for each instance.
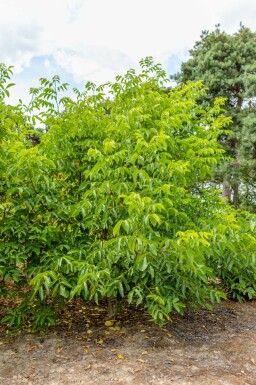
(227, 65)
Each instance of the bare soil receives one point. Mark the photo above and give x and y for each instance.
(202, 347)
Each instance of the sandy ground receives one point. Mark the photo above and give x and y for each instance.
(201, 347)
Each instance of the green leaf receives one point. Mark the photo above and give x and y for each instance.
(142, 263)
(116, 229)
(121, 289)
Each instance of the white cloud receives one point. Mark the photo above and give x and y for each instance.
(97, 39)
(18, 46)
(93, 63)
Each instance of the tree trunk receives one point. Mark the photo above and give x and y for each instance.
(236, 166)
(226, 190)
(239, 103)
(235, 196)
(110, 306)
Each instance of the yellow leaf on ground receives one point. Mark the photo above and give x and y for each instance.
(109, 323)
(120, 357)
(144, 353)
(140, 360)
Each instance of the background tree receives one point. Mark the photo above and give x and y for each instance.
(227, 66)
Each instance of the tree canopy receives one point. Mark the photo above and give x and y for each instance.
(227, 66)
(113, 201)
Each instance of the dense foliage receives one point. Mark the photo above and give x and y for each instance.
(112, 199)
(227, 66)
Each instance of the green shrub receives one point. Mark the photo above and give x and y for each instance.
(114, 200)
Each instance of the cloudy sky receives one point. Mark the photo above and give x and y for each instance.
(95, 40)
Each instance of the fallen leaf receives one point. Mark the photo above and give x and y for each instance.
(89, 331)
(120, 357)
(142, 331)
(144, 353)
(141, 360)
(109, 323)
(115, 328)
(31, 348)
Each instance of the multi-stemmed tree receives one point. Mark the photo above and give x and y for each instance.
(110, 204)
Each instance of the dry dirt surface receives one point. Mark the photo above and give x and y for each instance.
(202, 347)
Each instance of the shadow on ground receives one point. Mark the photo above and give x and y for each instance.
(202, 347)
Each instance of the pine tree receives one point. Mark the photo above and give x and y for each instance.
(227, 65)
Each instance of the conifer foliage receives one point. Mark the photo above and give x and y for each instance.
(227, 66)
